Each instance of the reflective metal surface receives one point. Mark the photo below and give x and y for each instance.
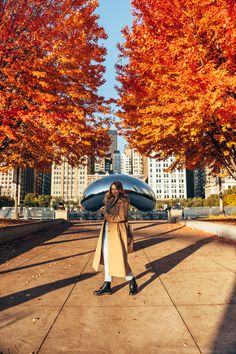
(140, 194)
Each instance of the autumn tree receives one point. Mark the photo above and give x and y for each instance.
(51, 66)
(6, 201)
(37, 200)
(177, 93)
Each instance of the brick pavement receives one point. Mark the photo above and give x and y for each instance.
(186, 302)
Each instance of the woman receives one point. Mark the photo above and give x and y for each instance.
(111, 248)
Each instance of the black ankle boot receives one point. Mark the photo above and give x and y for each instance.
(105, 289)
(133, 286)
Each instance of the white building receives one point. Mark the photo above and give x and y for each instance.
(166, 185)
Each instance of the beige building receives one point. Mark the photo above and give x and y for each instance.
(7, 184)
(99, 165)
(126, 161)
(95, 177)
(212, 184)
(69, 182)
(25, 182)
(126, 164)
(137, 164)
(132, 163)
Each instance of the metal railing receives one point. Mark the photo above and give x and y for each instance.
(199, 212)
(133, 215)
(41, 213)
(27, 213)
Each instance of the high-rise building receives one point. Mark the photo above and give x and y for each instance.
(190, 183)
(113, 146)
(110, 153)
(108, 164)
(212, 183)
(137, 164)
(116, 162)
(104, 164)
(132, 162)
(166, 185)
(99, 166)
(199, 177)
(126, 161)
(7, 185)
(25, 182)
(42, 183)
(69, 182)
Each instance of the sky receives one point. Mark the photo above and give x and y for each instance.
(114, 15)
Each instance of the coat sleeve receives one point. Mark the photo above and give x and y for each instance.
(122, 215)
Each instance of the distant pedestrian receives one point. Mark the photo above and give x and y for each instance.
(112, 249)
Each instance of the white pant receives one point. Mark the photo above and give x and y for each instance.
(105, 256)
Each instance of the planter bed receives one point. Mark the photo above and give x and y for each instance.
(20, 229)
(10, 222)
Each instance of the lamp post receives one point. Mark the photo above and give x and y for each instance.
(222, 211)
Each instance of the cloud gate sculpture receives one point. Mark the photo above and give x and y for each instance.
(140, 194)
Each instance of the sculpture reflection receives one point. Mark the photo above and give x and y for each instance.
(140, 194)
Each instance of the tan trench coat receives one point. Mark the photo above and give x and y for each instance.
(117, 240)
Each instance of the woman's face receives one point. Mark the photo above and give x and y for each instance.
(114, 190)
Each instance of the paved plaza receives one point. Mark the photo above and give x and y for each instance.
(186, 301)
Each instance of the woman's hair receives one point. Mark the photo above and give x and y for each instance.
(109, 194)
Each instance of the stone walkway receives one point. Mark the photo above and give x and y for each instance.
(186, 302)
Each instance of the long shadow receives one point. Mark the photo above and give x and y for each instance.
(166, 263)
(70, 240)
(79, 232)
(139, 245)
(152, 240)
(14, 248)
(76, 224)
(225, 340)
(149, 225)
(45, 262)
(24, 296)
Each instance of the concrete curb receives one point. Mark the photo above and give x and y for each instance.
(222, 230)
(12, 232)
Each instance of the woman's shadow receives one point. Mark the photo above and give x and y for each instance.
(166, 263)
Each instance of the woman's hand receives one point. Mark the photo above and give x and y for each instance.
(102, 209)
